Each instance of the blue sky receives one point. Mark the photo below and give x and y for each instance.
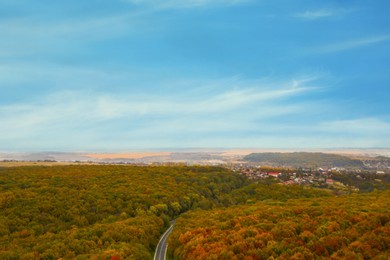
(125, 75)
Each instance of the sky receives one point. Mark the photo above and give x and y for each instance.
(128, 75)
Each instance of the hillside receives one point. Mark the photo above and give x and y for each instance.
(347, 227)
(104, 211)
(95, 211)
(303, 159)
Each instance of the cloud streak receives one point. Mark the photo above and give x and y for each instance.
(321, 14)
(363, 126)
(36, 35)
(351, 44)
(231, 118)
(107, 106)
(74, 115)
(154, 72)
(178, 4)
(314, 15)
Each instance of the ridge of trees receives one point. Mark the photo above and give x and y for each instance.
(93, 210)
(116, 211)
(304, 159)
(347, 227)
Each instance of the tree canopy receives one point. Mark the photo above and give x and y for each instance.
(347, 227)
(299, 159)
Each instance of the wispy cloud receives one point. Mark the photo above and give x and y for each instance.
(351, 44)
(371, 126)
(176, 4)
(362, 126)
(314, 15)
(94, 116)
(103, 106)
(29, 35)
(321, 13)
(240, 114)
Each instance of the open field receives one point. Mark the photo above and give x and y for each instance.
(192, 156)
(23, 163)
(130, 155)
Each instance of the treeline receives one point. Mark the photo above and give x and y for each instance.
(100, 211)
(364, 181)
(347, 227)
(275, 192)
(303, 159)
(111, 211)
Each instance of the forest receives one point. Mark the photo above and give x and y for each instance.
(303, 159)
(120, 212)
(97, 211)
(346, 227)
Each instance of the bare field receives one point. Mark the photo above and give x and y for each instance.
(243, 152)
(21, 163)
(230, 155)
(353, 153)
(134, 155)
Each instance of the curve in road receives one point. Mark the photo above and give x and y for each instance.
(162, 245)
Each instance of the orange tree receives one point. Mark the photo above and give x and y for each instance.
(353, 226)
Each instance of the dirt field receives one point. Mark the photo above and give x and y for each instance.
(135, 155)
(21, 163)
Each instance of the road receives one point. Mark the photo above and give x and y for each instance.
(162, 245)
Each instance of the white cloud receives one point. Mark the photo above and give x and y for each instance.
(175, 4)
(84, 26)
(39, 72)
(92, 116)
(351, 44)
(314, 15)
(361, 126)
(102, 106)
(35, 34)
(321, 13)
(26, 35)
(96, 121)
(233, 99)
(229, 112)
(374, 127)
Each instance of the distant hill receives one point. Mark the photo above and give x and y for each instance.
(303, 159)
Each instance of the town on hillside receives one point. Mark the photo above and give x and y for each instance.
(340, 179)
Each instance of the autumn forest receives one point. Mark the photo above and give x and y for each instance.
(120, 212)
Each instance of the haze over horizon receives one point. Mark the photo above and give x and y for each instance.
(127, 75)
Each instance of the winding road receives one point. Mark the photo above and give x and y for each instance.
(162, 245)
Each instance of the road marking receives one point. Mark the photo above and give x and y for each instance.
(159, 253)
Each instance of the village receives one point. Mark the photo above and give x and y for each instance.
(333, 178)
(285, 176)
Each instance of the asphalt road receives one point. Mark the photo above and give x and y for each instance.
(162, 245)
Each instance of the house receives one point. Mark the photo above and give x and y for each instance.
(274, 174)
(329, 181)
